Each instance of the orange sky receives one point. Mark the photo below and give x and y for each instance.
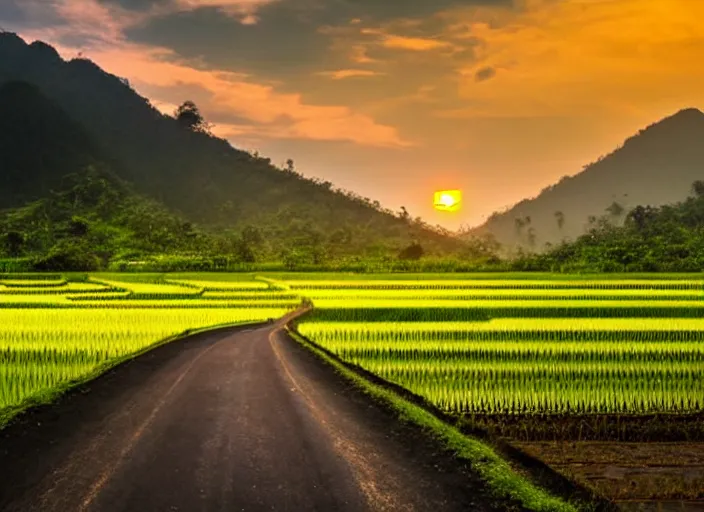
(499, 98)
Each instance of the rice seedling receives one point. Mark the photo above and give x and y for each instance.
(221, 286)
(50, 339)
(589, 346)
(469, 284)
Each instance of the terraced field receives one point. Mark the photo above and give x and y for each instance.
(55, 332)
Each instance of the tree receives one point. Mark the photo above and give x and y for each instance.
(560, 218)
(531, 237)
(78, 226)
(252, 235)
(244, 252)
(189, 116)
(13, 243)
(640, 216)
(412, 252)
(615, 210)
(290, 167)
(698, 188)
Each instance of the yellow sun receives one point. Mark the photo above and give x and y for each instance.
(448, 200)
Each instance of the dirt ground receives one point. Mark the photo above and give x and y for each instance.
(639, 476)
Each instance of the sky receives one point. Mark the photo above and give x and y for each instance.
(396, 99)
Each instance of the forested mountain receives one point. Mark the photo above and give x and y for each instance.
(657, 166)
(668, 238)
(40, 144)
(58, 117)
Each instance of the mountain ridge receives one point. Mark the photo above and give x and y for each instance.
(198, 177)
(655, 166)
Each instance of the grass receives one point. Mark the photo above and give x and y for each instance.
(499, 284)
(50, 393)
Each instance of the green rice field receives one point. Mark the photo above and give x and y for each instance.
(566, 368)
(54, 332)
(482, 344)
(516, 346)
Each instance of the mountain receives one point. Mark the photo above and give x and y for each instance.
(196, 176)
(60, 200)
(90, 219)
(657, 166)
(40, 144)
(667, 238)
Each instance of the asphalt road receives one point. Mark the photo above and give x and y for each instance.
(235, 420)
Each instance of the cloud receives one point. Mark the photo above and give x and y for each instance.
(244, 10)
(405, 43)
(152, 68)
(358, 54)
(484, 74)
(341, 74)
(576, 58)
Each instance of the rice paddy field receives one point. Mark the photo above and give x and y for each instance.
(55, 332)
(563, 367)
(547, 347)
(555, 366)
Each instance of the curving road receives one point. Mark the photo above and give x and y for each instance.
(240, 419)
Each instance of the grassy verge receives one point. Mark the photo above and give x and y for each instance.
(501, 478)
(48, 396)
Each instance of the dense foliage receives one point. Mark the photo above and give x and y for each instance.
(668, 238)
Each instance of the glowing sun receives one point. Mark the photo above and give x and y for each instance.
(447, 200)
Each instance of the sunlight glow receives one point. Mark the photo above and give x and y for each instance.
(448, 200)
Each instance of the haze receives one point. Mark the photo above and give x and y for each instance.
(396, 100)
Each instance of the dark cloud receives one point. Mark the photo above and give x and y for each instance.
(287, 41)
(136, 5)
(383, 10)
(10, 12)
(18, 14)
(485, 74)
(283, 43)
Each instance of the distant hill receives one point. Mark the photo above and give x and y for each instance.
(667, 238)
(655, 167)
(86, 115)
